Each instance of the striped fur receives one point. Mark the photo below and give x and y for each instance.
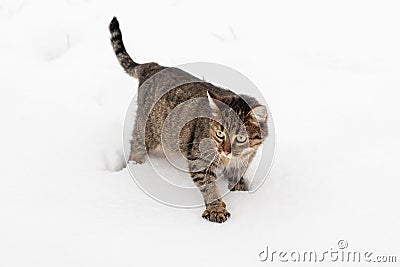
(229, 115)
(119, 49)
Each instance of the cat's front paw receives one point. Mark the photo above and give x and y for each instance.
(237, 186)
(217, 214)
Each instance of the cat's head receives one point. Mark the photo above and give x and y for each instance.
(239, 125)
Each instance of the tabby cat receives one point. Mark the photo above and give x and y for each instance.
(221, 139)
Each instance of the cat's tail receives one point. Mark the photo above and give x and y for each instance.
(119, 49)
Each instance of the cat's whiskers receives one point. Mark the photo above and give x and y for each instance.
(191, 143)
(208, 154)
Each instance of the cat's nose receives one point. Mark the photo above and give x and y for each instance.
(227, 148)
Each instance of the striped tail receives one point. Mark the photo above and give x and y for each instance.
(119, 49)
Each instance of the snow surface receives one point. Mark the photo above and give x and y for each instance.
(328, 69)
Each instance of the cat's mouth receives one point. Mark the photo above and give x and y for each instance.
(229, 156)
(237, 155)
(232, 155)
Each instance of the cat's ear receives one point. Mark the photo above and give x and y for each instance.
(260, 113)
(211, 97)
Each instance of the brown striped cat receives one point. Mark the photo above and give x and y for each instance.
(223, 137)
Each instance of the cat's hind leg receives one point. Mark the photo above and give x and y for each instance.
(138, 148)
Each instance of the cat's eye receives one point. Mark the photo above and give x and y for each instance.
(220, 134)
(241, 138)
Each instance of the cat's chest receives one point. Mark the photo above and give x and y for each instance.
(228, 169)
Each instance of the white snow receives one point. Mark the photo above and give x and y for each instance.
(330, 74)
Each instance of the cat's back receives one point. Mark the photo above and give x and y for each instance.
(172, 86)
